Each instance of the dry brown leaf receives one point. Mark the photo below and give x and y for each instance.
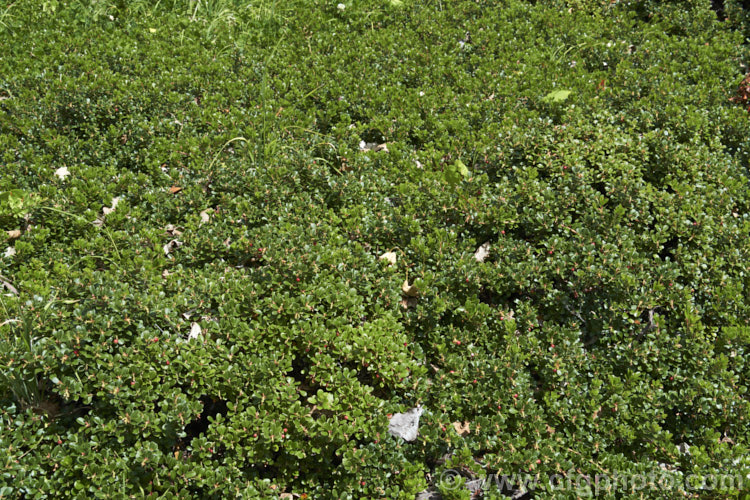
(49, 407)
(462, 429)
(205, 217)
(175, 189)
(409, 290)
(16, 233)
(408, 302)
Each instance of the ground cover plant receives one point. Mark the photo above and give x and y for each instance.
(238, 237)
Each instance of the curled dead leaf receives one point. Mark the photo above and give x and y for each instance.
(172, 231)
(389, 256)
(373, 146)
(16, 233)
(406, 425)
(195, 331)
(175, 189)
(62, 173)
(8, 286)
(482, 252)
(409, 290)
(205, 217)
(171, 246)
(462, 429)
(108, 210)
(726, 439)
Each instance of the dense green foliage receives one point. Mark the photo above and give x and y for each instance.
(193, 303)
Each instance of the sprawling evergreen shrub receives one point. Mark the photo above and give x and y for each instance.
(194, 207)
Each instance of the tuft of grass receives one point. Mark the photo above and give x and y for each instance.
(21, 378)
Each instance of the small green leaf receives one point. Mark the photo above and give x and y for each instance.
(456, 173)
(452, 176)
(557, 96)
(462, 168)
